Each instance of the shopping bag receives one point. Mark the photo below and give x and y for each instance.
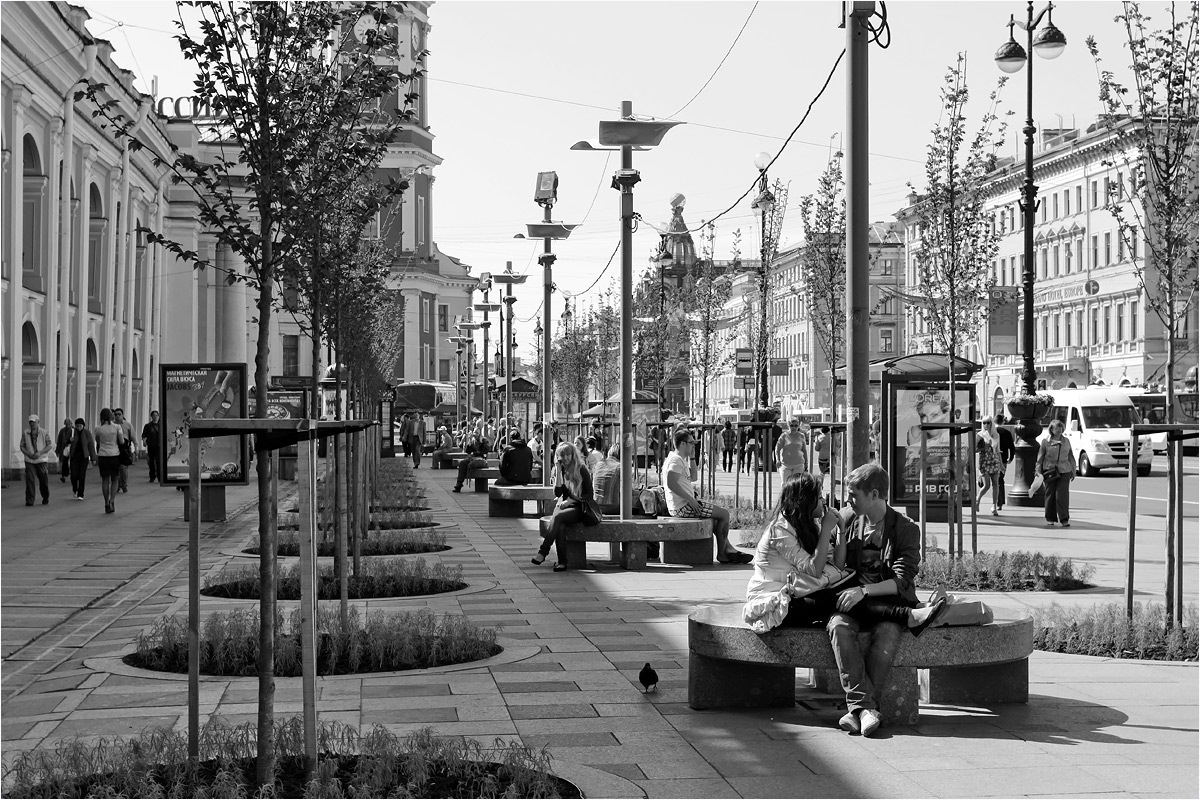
(961, 611)
(1036, 485)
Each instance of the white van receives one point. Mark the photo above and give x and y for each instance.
(1097, 426)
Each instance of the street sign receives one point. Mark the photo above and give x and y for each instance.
(1092, 287)
(744, 382)
(1003, 320)
(779, 366)
(743, 361)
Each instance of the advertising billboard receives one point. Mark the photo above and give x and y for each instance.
(912, 405)
(208, 391)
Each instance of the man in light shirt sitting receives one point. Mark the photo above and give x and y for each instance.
(682, 502)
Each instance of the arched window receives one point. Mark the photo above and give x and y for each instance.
(31, 215)
(30, 353)
(96, 228)
(93, 358)
(136, 371)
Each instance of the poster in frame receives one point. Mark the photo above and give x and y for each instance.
(209, 391)
(911, 405)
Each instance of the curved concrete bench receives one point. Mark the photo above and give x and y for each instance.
(731, 666)
(509, 501)
(481, 477)
(447, 459)
(685, 541)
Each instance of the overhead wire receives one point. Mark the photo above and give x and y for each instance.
(721, 64)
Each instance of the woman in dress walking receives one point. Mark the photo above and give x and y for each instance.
(109, 439)
(991, 466)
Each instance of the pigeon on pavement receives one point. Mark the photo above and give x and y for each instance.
(649, 678)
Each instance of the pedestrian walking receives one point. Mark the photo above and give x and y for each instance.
(406, 434)
(416, 438)
(821, 444)
(150, 443)
(991, 467)
(1056, 465)
(109, 438)
(127, 433)
(36, 445)
(62, 449)
(83, 453)
(1008, 452)
(728, 445)
(790, 452)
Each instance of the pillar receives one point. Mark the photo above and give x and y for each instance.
(84, 232)
(49, 310)
(232, 330)
(20, 99)
(412, 333)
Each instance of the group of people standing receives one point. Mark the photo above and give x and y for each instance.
(77, 448)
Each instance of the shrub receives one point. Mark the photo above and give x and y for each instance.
(384, 543)
(385, 642)
(1002, 572)
(375, 578)
(1105, 630)
(743, 515)
(379, 520)
(375, 764)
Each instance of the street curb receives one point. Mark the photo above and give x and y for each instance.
(484, 586)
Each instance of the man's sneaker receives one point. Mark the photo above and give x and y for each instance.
(849, 722)
(456, 489)
(870, 721)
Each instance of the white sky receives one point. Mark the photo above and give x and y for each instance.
(542, 74)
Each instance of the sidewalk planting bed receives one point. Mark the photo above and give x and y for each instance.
(375, 579)
(1002, 572)
(381, 543)
(1105, 630)
(382, 642)
(376, 764)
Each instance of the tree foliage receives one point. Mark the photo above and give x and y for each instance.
(709, 333)
(823, 264)
(957, 240)
(1154, 126)
(573, 360)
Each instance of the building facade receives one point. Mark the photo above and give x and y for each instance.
(1092, 324)
(92, 305)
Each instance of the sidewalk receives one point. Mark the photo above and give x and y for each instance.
(79, 584)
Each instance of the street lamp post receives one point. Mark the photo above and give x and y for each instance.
(485, 284)
(763, 204)
(537, 333)
(628, 134)
(508, 279)
(469, 328)
(1049, 44)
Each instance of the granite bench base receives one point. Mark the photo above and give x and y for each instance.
(731, 666)
(482, 476)
(447, 459)
(684, 541)
(509, 501)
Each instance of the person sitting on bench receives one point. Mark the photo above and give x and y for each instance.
(682, 502)
(606, 481)
(477, 451)
(516, 462)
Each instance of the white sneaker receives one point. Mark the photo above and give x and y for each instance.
(869, 721)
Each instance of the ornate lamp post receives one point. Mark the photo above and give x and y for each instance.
(508, 279)
(1049, 44)
(458, 378)
(485, 284)
(627, 134)
(763, 203)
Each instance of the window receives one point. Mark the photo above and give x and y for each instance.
(1079, 328)
(1133, 246)
(1120, 185)
(1056, 261)
(1055, 199)
(1120, 247)
(1079, 197)
(291, 354)
(1107, 190)
(1067, 330)
(1095, 250)
(444, 370)
(1045, 261)
(886, 267)
(885, 340)
(426, 314)
(1120, 322)
(1095, 326)
(1133, 321)
(887, 306)
(1043, 205)
(1095, 195)
(1107, 248)
(1067, 258)
(1066, 202)
(1057, 329)
(1045, 332)
(1107, 324)
(443, 318)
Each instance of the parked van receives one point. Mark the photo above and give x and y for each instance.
(1097, 426)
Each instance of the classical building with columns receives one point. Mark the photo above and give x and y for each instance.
(89, 307)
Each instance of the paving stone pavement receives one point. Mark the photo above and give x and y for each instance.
(78, 585)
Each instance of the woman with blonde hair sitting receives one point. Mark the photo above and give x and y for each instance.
(572, 488)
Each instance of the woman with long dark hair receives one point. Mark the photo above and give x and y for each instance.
(798, 568)
(573, 488)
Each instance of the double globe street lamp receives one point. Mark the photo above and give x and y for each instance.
(1048, 43)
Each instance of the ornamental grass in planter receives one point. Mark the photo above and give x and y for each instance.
(375, 764)
(376, 578)
(382, 543)
(379, 521)
(382, 642)
(1105, 630)
(1002, 572)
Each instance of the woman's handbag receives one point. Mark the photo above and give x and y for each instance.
(591, 513)
(126, 453)
(1050, 474)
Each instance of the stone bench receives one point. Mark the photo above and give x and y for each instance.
(684, 541)
(509, 501)
(731, 666)
(447, 459)
(481, 477)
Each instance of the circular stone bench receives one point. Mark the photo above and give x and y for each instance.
(447, 459)
(685, 541)
(509, 501)
(731, 666)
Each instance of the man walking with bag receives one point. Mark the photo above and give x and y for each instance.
(150, 444)
(36, 445)
(62, 449)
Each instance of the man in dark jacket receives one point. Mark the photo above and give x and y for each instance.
(1008, 451)
(62, 449)
(516, 462)
(884, 548)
